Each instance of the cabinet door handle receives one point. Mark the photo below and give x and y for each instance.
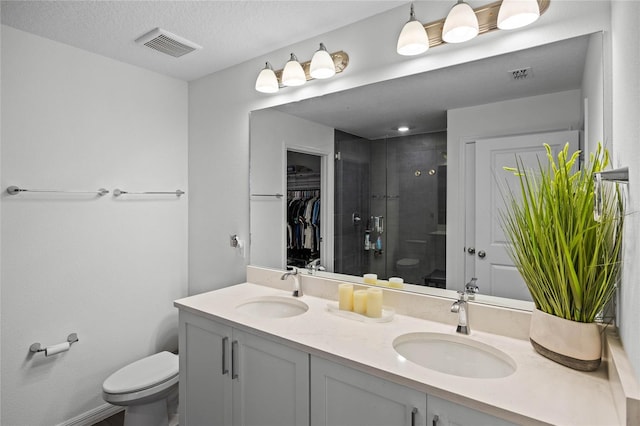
(225, 367)
(436, 418)
(414, 412)
(234, 359)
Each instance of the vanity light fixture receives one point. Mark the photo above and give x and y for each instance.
(517, 13)
(413, 38)
(293, 74)
(267, 82)
(322, 65)
(461, 24)
(502, 14)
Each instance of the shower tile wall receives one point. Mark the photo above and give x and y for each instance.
(382, 204)
(414, 169)
(404, 180)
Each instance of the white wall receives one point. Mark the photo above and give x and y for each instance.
(106, 268)
(594, 96)
(555, 111)
(625, 36)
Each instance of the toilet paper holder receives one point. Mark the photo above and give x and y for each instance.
(37, 347)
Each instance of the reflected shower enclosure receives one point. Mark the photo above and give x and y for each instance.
(390, 207)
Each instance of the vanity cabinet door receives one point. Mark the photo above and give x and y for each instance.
(343, 396)
(270, 383)
(229, 377)
(205, 384)
(445, 413)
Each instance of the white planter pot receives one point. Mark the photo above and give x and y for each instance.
(574, 344)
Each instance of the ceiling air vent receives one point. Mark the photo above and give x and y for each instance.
(166, 42)
(521, 74)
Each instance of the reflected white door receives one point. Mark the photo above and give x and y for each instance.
(496, 273)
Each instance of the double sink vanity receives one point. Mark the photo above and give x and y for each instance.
(252, 354)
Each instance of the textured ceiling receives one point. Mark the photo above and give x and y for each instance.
(230, 32)
(421, 100)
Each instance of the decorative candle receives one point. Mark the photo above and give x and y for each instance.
(374, 302)
(360, 302)
(383, 283)
(345, 293)
(395, 282)
(370, 279)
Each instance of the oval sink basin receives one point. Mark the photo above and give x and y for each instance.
(273, 307)
(454, 355)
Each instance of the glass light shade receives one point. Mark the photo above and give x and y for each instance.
(461, 24)
(517, 13)
(293, 74)
(322, 65)
(413, 39)
(267, 82)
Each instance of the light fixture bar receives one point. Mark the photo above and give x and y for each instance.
(340, 60)
(487, 21)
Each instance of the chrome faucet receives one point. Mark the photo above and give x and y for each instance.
(471, 288)
(460, 307)
(314, 266)
(297, 290)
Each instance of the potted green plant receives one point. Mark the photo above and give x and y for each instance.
(569, 259)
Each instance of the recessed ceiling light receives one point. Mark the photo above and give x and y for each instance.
(403, 128)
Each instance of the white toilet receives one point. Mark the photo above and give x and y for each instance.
(144, 387)
(409, 269)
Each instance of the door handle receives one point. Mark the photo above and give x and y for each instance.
(234, 359)
(471, 250)
(414, 412)
(225, 367)
(482, 254)
(435, 421)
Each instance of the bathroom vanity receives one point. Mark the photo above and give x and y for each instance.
(253, 354)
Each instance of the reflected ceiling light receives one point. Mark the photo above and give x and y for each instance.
(267, 82)
(403, 128)
(322, 65)
(461, 24)
(517, 13)
(413, 38)
(293, 74)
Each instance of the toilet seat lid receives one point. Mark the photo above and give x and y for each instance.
(143, 374)
(407, 261)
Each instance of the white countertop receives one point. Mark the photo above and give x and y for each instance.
(539, 392)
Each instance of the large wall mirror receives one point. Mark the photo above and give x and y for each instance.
(335, 184)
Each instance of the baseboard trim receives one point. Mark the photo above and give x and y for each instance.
(93, 416)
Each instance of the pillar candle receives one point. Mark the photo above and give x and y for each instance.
(345, 293)
(370, 279)
(374, 302)
(360, 302)
(395, 282)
